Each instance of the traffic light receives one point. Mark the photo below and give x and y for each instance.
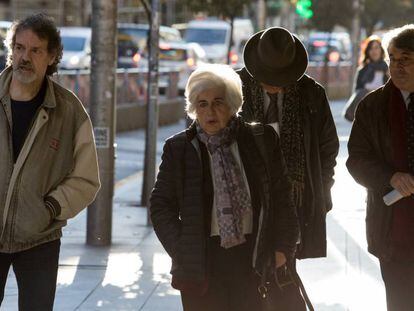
(304, 8)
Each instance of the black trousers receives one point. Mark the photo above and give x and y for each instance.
(399, 284)
(232, 283)
(36, 275)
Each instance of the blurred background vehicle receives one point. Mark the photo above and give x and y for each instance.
(212, 35)
(4, 26)
(242, 31)
(128, 52)
(334, 47)
(139, 33)
(76, 48)
(184, 57)
(132, 45)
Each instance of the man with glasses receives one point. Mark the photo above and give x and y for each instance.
(381, 158)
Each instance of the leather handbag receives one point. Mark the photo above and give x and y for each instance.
(283, 290)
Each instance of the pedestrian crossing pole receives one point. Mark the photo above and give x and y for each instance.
(102, 110)
(152, 109)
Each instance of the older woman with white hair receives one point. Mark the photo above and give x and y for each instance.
(220, 211)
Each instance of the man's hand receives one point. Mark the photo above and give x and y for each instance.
(403, 183)
(280, 259)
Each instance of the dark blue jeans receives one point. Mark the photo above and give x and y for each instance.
(36, 274)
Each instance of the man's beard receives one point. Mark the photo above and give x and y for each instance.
(24, 72)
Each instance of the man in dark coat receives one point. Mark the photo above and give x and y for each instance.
(276, 92)
(381, 158)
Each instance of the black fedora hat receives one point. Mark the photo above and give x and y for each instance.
(275, 56)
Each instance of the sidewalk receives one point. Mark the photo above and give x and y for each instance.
(133, 274)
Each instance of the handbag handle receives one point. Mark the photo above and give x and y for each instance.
(258, 132)
(299, 283)
(263, 290)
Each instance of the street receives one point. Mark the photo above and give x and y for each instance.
(133, 274)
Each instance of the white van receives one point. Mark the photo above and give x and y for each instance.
(214, 37)
(76, 47)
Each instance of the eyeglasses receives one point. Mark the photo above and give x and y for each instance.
(403, 61)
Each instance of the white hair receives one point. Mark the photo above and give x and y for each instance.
(214, 76)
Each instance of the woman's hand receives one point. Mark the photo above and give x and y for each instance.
(280, 259)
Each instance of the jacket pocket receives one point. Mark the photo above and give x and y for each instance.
(31, 219)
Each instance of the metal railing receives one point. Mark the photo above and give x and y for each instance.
(131, 84)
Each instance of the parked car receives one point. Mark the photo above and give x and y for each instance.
(334, 47)
(76, 47)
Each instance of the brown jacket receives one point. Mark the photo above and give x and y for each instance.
(56, 169)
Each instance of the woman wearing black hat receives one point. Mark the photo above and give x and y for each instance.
(276, 91)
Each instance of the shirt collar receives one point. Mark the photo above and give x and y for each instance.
(406, 96)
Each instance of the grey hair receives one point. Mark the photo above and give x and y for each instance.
(214, 76)
(45, 28)
(402, 38)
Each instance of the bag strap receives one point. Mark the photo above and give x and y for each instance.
(258, 133)
(299, 283)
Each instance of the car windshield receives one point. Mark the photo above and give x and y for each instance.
(136, 33)
(205, 36)
(74, 44)
(126, 48)
(172, 54)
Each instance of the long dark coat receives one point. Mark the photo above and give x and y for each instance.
(321, 148)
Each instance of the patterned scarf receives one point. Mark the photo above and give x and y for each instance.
(292, 142)
(231, 196)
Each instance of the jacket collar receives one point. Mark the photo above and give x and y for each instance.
(5, 79)
(191, 131)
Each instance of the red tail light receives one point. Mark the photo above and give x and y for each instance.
(234, 58)
(334, 56)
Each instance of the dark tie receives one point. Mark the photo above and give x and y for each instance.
(410, 134)
(272, 114)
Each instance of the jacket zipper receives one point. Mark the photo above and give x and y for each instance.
(13, 203)
(16, 183)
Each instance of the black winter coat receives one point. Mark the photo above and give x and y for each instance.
(370, 163)
(321, 148)
(181, 201)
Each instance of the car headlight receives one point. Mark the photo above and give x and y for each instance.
(74, 60)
